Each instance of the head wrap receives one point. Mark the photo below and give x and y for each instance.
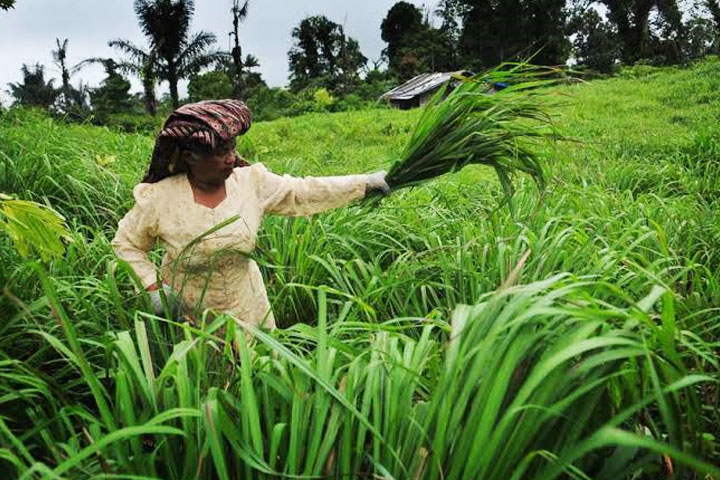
(207, 124)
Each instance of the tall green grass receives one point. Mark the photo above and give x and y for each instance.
(533, 381)
(588, 346)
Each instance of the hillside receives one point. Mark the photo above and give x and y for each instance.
(590, 302)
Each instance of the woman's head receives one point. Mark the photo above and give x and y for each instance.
(210, 165)
(200, 138)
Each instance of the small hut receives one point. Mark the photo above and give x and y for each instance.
(419, 90)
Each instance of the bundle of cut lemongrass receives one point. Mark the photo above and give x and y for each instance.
(477, 124)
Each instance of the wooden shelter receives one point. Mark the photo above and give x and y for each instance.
(418, 91)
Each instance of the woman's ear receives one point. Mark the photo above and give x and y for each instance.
(187, 157)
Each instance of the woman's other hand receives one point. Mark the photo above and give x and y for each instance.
(376, 183)
(171, 296)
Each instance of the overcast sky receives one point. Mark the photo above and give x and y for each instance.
(28, 32)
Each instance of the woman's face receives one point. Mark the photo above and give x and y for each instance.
(213, 167)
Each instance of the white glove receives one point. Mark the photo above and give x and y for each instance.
(171, 297)
(376, 182)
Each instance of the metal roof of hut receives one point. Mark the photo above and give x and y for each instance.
(420, 86)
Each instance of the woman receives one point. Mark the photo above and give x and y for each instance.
(194, 183)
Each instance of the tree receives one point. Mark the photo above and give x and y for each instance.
(713, 7)
(546, 30)
(239, 14)
(632, 20)
(251, 61)
(34, 91)
(7, 4)
(59, 56)
(478, 43)
(70, 99)
(324, 56)
(214, 85)
(700, 36)
(113, 95)
(596, 44)
(244, 81)
(449, 12)
(251, 80)
(166, 24)
(428, 50)
(414, 46)
(143, 64)
(399, 27)
(494, 31)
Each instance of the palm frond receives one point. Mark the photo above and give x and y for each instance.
(196, 56)
(60, 53)
(243, 12)
(89, 61)
(251, 61)
(197, 46)
(166, 23)
(32, 226)
(128, 48)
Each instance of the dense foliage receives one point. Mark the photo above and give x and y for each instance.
(496, 31)
(588, 347)
(413, 45)
(34, 90)
(323, 56)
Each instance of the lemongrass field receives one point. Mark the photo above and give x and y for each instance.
(431, 336)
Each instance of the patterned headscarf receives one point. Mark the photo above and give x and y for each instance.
(207, 124)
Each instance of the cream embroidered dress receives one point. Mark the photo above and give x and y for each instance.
(214, 271)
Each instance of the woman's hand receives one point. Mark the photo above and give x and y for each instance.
(171, 296)
(376, 183)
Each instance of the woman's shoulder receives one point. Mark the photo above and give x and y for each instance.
(253, 167)
(253, 171)
(148, 192)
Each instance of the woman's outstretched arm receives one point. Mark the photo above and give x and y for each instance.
(286, 195)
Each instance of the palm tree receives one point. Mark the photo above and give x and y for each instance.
(143, 64)
(34, 91)
(59, 56)
(69, 97)
(166, 24)
(239, 14)
(251, 61)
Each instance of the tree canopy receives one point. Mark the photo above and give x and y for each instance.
(113, 95)
(713, 7)
(403, 21)
(142, 63)
(324, 56)
(34, 90)
(414, 46)
(166, 24)
(494, 31)
(632, 20)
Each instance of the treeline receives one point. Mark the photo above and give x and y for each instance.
(599, 35)
(328, 71)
